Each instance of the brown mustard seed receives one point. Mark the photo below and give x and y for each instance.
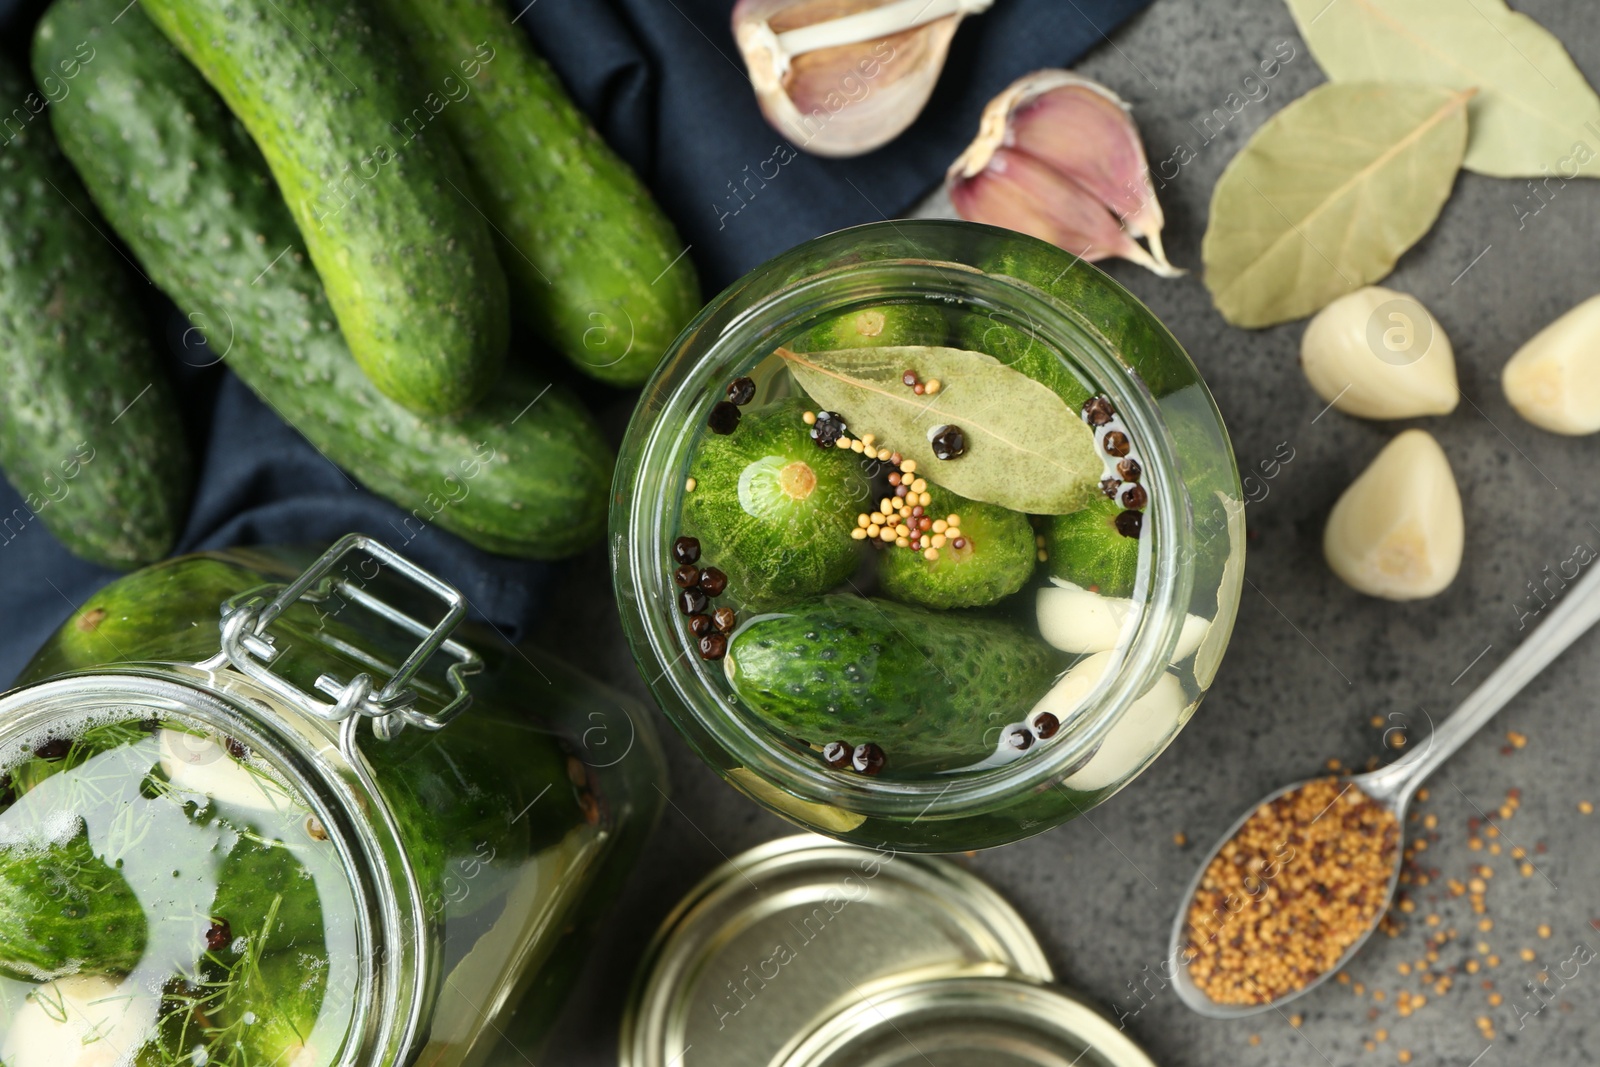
(919, 389)
(686, 550)
(692, 601)
(1046, 725)
(686, 575)
(725, 620)
(1115, 443)
(1135, 498)
(1129, 523)
(1097, 411)
(868, 759)
(1279, 904)
(700, 624)
(1129, 470)
(713, 581)
(713, 646)
(836, 754)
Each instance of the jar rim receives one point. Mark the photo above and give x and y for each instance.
(384, 1014)
(654, 499)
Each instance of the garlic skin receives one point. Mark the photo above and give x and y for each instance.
(1379, 354)
(1553, 381)
(1058, 157)
(1398, 532)
(840, 78)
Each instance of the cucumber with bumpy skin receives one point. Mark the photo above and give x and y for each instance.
(89, 429)
(64, 910)
(774, 511)
(876, 327)
(271, 1008)
(997, 559)
(525, 474)
(599, 266)
(927, 687)
(1086, 549)
(262, 881)
(386, 214)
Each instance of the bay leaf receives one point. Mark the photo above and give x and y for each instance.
(1534, 109)
(1327, 194)
(1025, 449)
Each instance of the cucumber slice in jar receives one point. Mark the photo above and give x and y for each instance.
(995, 558)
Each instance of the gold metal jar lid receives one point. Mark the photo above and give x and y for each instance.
(788, 935)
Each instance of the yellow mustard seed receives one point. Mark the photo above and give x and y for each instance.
(1526, 870)
(925, 499)
(876, 517)
(930, 554)
(863, 520)
(931, 386)
(940, 526)
(902, 542)
(810, 418)
(857, 446)
(885, 506)
(1043, 555)
(938, 540)
(953, 520)
(1544, 930)
(1585, 807)
(874, 529)
(902, 530)
(867, 439)
(842, 442)
(883, 454)
(858, 534)
(908, 467)
(888, 534)
(920, 485)
(688, 486)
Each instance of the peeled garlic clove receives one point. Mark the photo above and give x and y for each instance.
(1073, 619)
(842, 77)
(81, 1021)
(1378, 354)
(1554, 380)
(1136, 738)
(195, 764)
(1397, 532)
(1082, 134)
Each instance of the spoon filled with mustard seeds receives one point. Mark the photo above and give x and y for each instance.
(1298, 884)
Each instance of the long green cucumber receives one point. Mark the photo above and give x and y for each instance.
(525, 474)
(388, 218)
(89, 429)
(64, 910)
(600, 268)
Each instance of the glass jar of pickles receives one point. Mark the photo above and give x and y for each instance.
(928, 535)
(324, 832)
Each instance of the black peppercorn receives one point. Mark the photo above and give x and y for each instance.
(1135, 497)
(909, 378)
(1097, 411)
(236, 749)
(713, 581)
(827, 430)
(726, 620)
(1045, 725)
(1129, 523)
(686, 575)
(692, 600)
(686, 550)
(724, 418)
(700, 624)
(1115, 443)
(1129, 470)
(949, 442)
(219, 936)
(54, 749)
(836, 754)
(741, 391)
(867, 758)
(713, 646)
(1019, 738)
(1109, 487)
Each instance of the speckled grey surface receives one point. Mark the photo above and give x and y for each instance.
(1312, 663)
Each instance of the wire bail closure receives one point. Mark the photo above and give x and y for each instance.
(249, 649)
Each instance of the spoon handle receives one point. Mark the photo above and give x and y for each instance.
(1572, 616)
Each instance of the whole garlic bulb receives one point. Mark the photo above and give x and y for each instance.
(1554, 380)
(1398, 532)
(1379, 354)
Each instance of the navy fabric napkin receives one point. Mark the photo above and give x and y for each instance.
(663, 81)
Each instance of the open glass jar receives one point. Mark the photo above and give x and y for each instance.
(928, 535)
(306, 849)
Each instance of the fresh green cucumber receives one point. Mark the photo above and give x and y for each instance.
(526, 474)
(387, 214)
(876, 327)
(774, 511)
(64, 910)
(996, 559)
(89, 430)
(261, 882)
(1086, 549)
(270, 1010)
(597, 264)
(1023, 350)
(929, 688)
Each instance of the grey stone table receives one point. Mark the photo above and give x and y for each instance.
(1316, 671)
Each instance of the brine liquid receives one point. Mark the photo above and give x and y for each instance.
(166, 899)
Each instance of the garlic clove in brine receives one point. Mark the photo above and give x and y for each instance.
(1398, 531)
(1058, 156)
(842, 77)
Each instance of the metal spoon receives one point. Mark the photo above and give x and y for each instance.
(1393, 786)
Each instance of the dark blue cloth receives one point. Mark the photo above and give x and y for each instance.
(663, 81)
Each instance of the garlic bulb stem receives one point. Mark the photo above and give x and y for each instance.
(871, 25)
